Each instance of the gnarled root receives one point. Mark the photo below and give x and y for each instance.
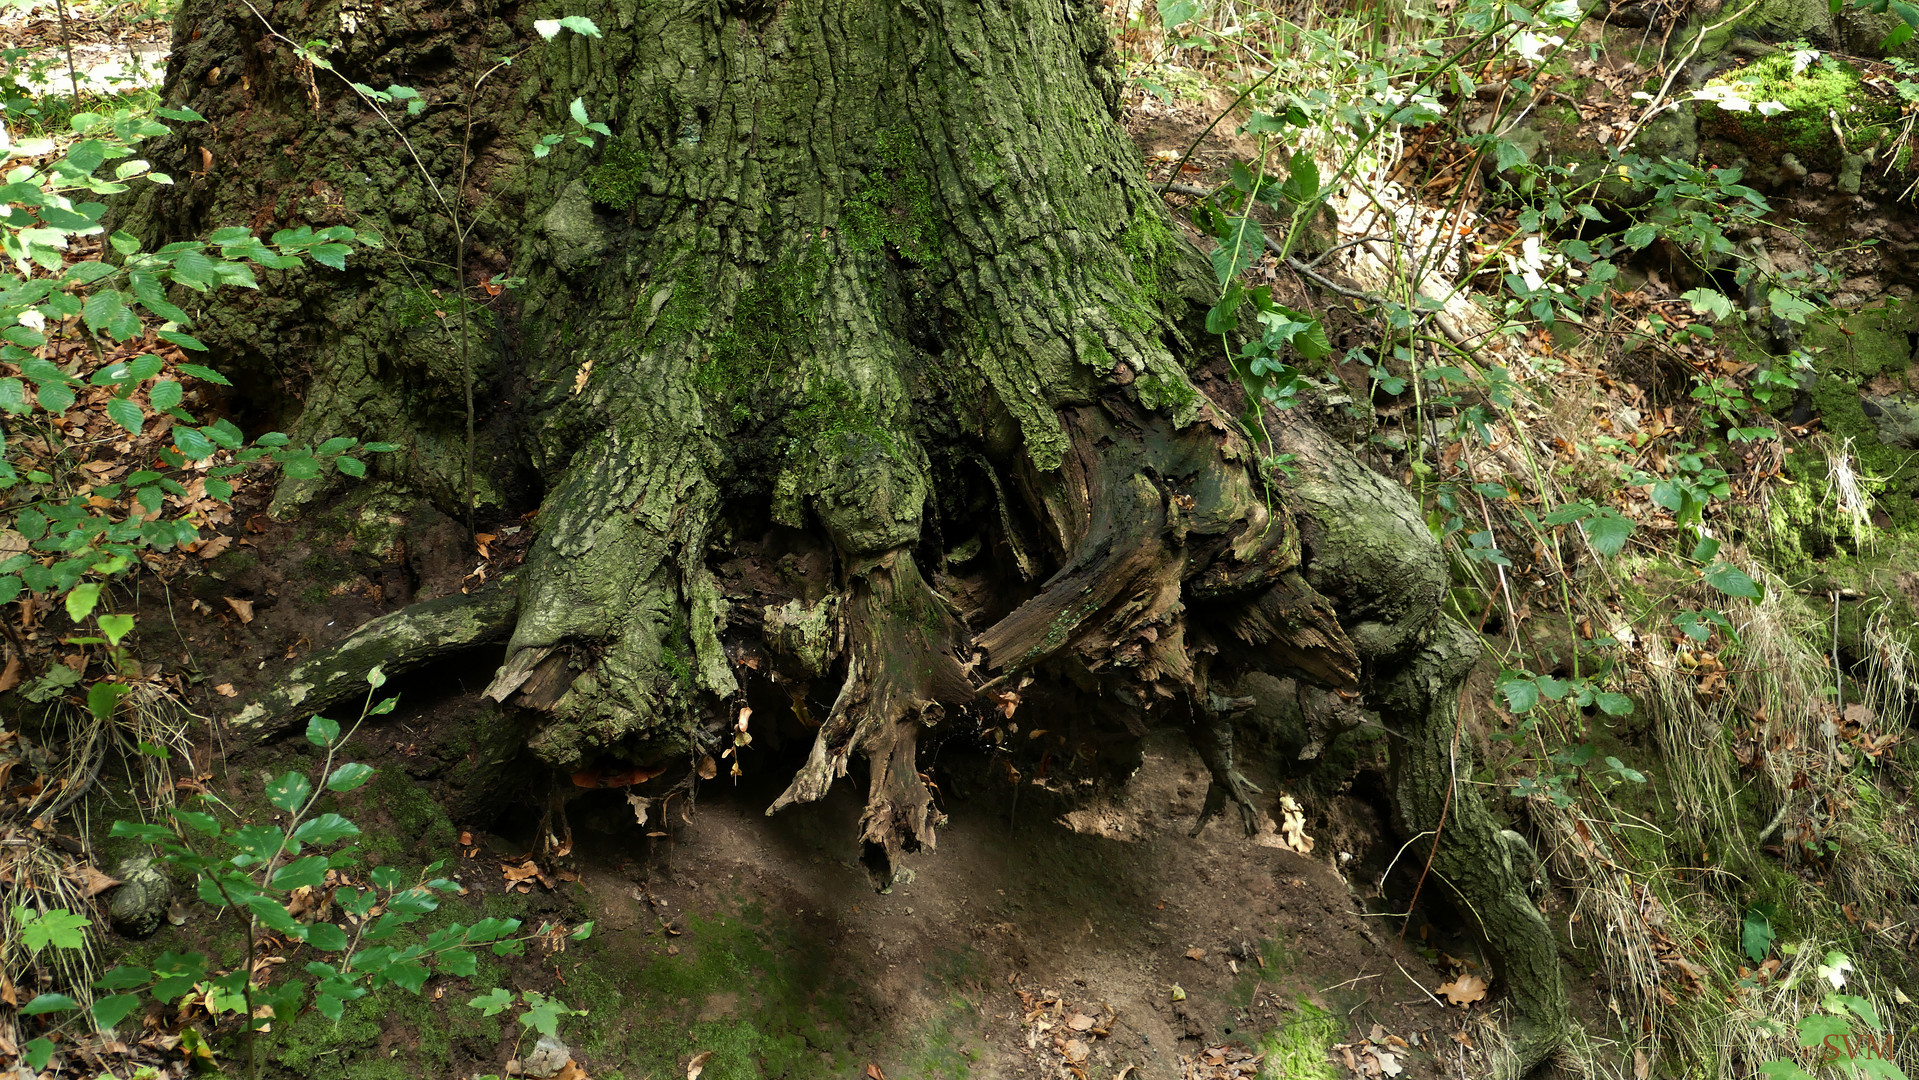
(1365, 544)
(902, 672)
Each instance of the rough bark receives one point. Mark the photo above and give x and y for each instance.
(848, 275)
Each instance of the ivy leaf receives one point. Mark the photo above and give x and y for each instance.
(58, 927)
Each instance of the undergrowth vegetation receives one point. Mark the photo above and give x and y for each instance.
(1598, 378)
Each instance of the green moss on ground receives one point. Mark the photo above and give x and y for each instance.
(768, 997)
(1804, 129)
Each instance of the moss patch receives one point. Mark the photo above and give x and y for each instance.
(616, 183)
(1804, 128)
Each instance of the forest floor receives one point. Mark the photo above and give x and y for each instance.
(1044, 938)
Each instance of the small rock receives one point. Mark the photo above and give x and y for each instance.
(139, 905)
(549, 1056)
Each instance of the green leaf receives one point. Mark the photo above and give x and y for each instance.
(580, 24)
(1756, 935)
(1608, 532)
(1176, 13)
(108, 1011)
(321, 731)
(103, 697)
(1732, 581)
(1790, 306)
(1640, 235)
(54, 397)
(127, 413)
(58, 927)
(1613, 704)
(81, 600)
(353, 467)
(290, 791)
(199, 822)
(325, 829)
(1240, 245)
(38, 1053)
(1521, 694)
(309, 872)
(13, 396)
(349, 776)
(578, 111)
(584, 931)
(493, 1002)
(47, 1003)
(326, 937)
(185, 341)
(164, 395)
(124, 977)
(333, 255)
(204, 373)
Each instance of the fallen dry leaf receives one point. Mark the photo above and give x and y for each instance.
(92, 881)
(708, 768)
(1079, 1022)
(10, 675)
(1464, 990)
(571, 1071)
(226, 689)
(698, 1064)
(1195, 954)
(214, 548)
(242, 608)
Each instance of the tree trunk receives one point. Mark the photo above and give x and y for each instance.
(863, 331)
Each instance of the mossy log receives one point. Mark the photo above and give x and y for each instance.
(863, 302)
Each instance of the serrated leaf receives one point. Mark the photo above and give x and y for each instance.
(164, 395)
(1608, 532)
(13, 396)
(127, 413)
(1614, 704)
(580, 24)
(1521, 695)
(326, 937)
(577, 109)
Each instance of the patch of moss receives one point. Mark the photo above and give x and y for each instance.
(771, 327)
(1888, 473)
(1870, 341)
(616, 182)
(1804, 129)
(1297, 1049)
(766, 995)
(1148, 246)
(892, 204)
(419, 826)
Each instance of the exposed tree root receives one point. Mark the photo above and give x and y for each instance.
(396, 642)
(1366, 545)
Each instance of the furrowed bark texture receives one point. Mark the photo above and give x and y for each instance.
(849, 276)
